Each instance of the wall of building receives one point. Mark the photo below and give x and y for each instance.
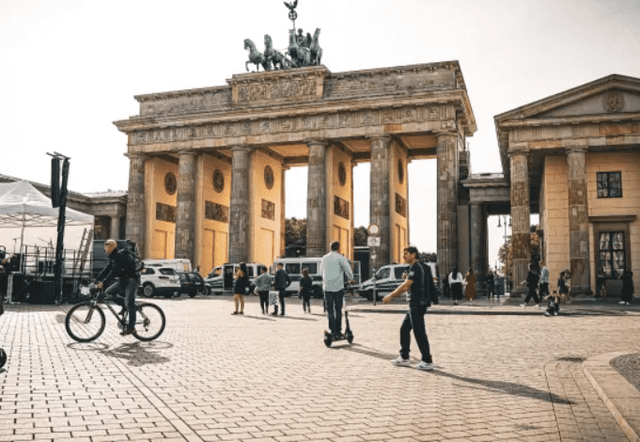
(399, 201)
(265, 209)
(628, 163)
(160, 243)
(214, 234)
(555, 216)
(339, 228)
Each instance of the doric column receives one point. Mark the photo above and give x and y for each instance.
(239, 209)
(135, 224)
(316, 199)
(115, 226)
(447, 152)
(520, 214)
(578, 221)
(283, 205)
(379, 202)
(185, 210)
(477, 237)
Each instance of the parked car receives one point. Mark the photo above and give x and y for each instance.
(220, 279)
(159, 281)
(389, 278)
(294, 267)
(192, 284)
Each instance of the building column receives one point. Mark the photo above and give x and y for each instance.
(316, 199)
(578, 221)
(239, 207)
(379, 203)
(115, 226)
(520, 214)
(185, 210)
(283, 206)
(447, 153)
(135, 223)
(477, 237)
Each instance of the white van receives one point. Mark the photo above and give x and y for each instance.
(178, 264)
(294, 267)
(220, 279)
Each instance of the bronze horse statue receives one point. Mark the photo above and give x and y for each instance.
(300, 56)
(255, 57)
(316, 50)
(274, 58)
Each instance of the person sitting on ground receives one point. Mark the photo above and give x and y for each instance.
(554, 304)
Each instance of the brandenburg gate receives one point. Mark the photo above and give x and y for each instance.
(207, 166)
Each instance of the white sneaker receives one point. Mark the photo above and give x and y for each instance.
(537, 306)
(401, 362)
(425, 366)
(621, 303)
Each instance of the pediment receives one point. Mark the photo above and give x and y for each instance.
(614, 94)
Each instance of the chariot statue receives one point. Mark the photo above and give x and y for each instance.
(302, 50)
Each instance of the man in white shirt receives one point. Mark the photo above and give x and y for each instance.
(334, 268)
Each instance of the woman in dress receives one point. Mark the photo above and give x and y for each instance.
(470, 285)
(240, 287)
(627, 286)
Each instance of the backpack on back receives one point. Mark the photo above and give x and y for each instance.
(428, 288)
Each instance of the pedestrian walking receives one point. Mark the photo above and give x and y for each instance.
(263, 284)
(544, 280)
(419, 291)
(334, 269)
(281, 281)
(305, 290)
(601, 279)
(627, 286)
(491, 284)
(532, 284)
(240, 288)
(455, 285)
(563, 289)
(470, 285)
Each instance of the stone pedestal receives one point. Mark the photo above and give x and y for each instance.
(135, 223)
(239, 207)
(520, 214)
(316, 199)
(185, 210)
(447, 151)
(379, 200)
(578, 221)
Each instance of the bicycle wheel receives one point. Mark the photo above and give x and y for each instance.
(85, 322)
(150, 322)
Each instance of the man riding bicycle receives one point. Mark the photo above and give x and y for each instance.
(122, 266)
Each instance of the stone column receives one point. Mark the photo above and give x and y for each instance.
(520, 214)
(477, 237)
(447, 152)
(283, 206)
(115, 226)
(578, 221)
(316, 199)
(185, 210)
(135, 224)
(379, 203)
(239, 208)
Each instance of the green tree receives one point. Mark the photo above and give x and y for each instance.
(505, 254)
(360, 236)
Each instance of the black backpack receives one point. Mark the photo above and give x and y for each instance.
(134, 260)
(428, 288)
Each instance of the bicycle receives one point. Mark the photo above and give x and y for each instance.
(86, 321)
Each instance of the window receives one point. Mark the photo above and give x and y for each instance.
(311, 267)
(612, 253)
(384, 273)
(399, 271)
(292, 269)
(609, 185)
(167, 271)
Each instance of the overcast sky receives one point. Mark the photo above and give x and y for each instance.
(69, 68)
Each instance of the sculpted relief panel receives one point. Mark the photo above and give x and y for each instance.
(345, 119)
(277, 90)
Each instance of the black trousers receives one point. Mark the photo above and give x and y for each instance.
(281, 298)
(264, 300)
(532, 293)
(414, 320)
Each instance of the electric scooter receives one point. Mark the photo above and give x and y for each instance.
(348, 334)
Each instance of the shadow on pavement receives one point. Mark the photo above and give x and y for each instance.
(87, 346)
(495, 386)
(138, 354)
(296, 318)
(261, 318)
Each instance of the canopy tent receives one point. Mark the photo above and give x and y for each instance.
(23, 206)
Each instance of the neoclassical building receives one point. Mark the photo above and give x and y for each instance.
(207, 165)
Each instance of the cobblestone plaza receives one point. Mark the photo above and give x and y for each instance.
(502, 373)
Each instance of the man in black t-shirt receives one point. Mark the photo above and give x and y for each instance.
(414, 286)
